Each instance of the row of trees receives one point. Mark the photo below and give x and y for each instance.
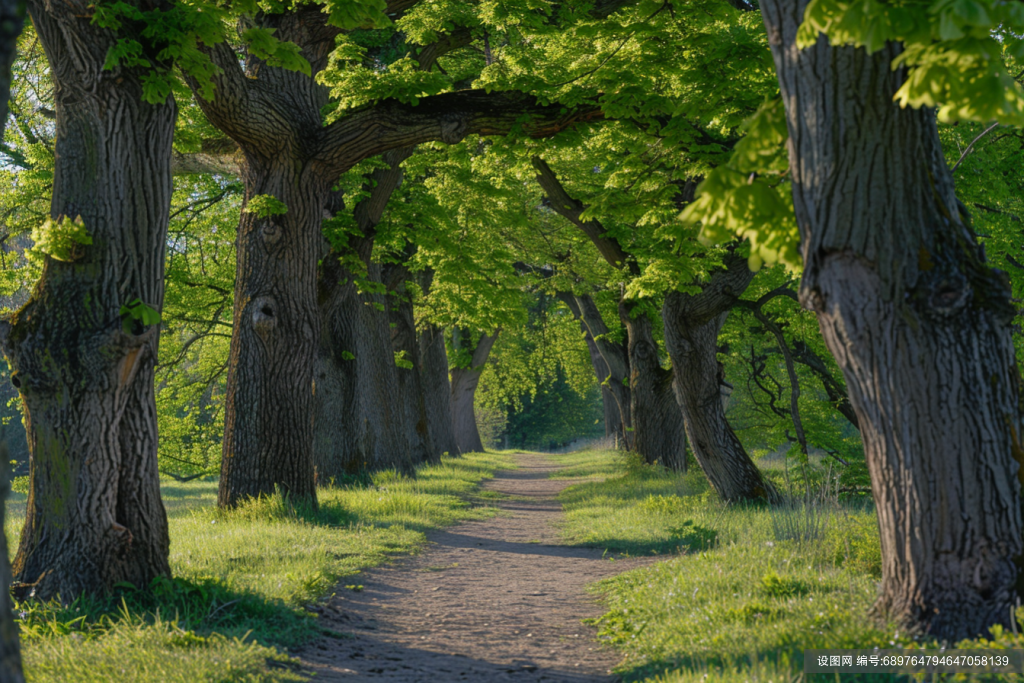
(404, 174)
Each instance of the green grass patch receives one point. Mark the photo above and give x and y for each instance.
(744, 589)
(243, 578)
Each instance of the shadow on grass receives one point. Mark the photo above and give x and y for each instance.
(203, 607)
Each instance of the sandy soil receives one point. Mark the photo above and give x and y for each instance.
(493, 600)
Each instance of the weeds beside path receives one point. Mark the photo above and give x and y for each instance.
(491, 600)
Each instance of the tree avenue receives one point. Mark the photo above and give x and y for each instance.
(298, 245)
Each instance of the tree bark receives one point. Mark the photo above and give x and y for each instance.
(659, 434)
(437, 389)
(464, 383)
(692, 325)
(351, 360)
(85, 370)
(410, 380)
(11, 22)
(337, 412)
(384, 416)
(919, 324)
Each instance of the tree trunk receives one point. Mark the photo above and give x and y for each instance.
(919, 324)
(464, 383)
(610, 409)
(275, 117)
(337, 416)
(383, 413)
(692, 325)
(410, 380)
(268, 415)
(11, 21)
(616, 358)
(437, 391)
(612, 416)
(85, 371)
(658, 431)
(437, 388)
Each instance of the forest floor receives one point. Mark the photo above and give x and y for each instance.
(489, 600)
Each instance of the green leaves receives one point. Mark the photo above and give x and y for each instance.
(263, 44)
(63, 239)
(265, 206)
(137, 310)
(749, 197)
(957, 51)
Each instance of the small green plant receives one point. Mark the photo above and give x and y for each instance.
(664, 505)
(20, 485)
(63, 239)
(135, 313)
(777, 586)
(403, 362)
(265, 206)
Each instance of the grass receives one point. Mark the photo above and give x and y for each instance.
(243, 578)
(742, 591)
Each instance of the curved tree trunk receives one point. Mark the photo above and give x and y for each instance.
(85, 372)
(464, 383)
(692, 325)
(11, 21)
(613, 390)
(609, 408)
(410, 379)
(658, 431)
(616, 360)
(919, 324)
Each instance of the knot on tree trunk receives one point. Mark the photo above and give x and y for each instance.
(271, 234)
(264, 315)
(453, 128)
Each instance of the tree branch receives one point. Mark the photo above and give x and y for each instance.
(448, 117)
(562, 203)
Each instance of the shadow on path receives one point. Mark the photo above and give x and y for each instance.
(492, 600)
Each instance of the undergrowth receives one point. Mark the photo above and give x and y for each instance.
(243, 579)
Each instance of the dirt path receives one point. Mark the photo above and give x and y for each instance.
(491, 600)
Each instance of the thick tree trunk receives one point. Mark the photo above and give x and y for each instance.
(268, 416)
(385, 440)
(437, 391)
(337, 412)
(658, 431)
(84, 370)
(437, 388)
(410, 380)
(354, 429)
(919, 324)
(692, 325)
(11, 21)
(275, 117)
(464, 383)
